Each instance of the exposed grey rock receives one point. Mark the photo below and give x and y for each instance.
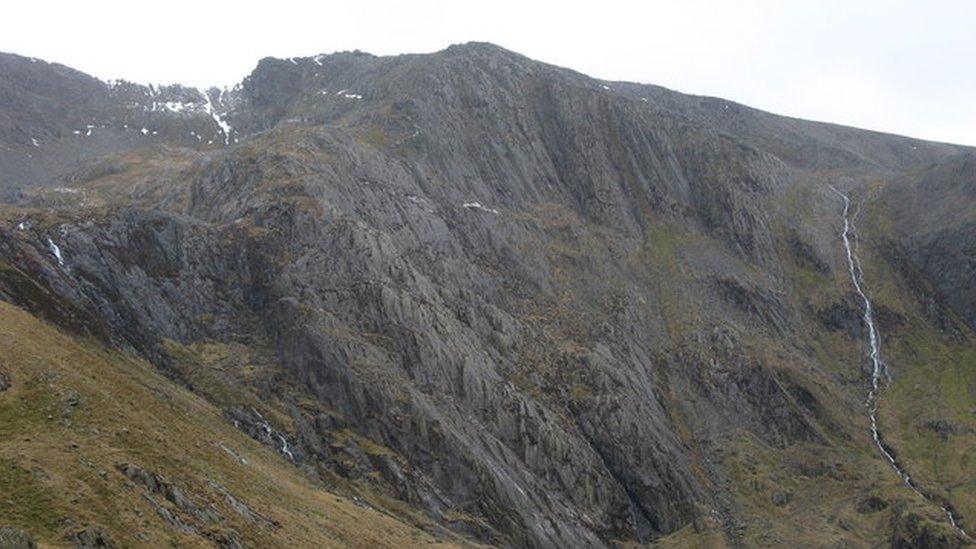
(90, 537)
(227, 540)
(781, 499)
(72, 398)
(168, 516)
(15, 538)
(242, 508)
(936, 209)
(56, 117)
(156, 484)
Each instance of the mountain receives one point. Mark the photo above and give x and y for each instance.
(511, 304)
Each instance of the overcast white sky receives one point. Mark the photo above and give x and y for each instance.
(907, 67)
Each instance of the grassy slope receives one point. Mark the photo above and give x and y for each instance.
(934, 381)
(813, 495)
(58, 462)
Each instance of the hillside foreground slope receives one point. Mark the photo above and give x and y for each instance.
(95, 445)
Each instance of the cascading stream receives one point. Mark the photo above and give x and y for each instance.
(878, 370)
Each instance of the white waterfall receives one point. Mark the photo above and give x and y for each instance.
(877, 366)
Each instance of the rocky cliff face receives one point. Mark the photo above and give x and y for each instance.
(542, 309)
(936, 212)
(54, 118)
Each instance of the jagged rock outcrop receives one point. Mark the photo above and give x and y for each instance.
(91, 537)
(15, 538)
(912, 530)
(936, 210)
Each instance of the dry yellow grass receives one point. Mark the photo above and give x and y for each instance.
(58, 462)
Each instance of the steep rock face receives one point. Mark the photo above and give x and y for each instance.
(555, 306)
(54, 119)
(935, 210)
(16, 538)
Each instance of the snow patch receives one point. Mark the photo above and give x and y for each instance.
(221, 123)
(176, 106)
(56, 251)
(343, 93)
(478, 206)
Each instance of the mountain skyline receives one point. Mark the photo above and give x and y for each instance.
(887, 66)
